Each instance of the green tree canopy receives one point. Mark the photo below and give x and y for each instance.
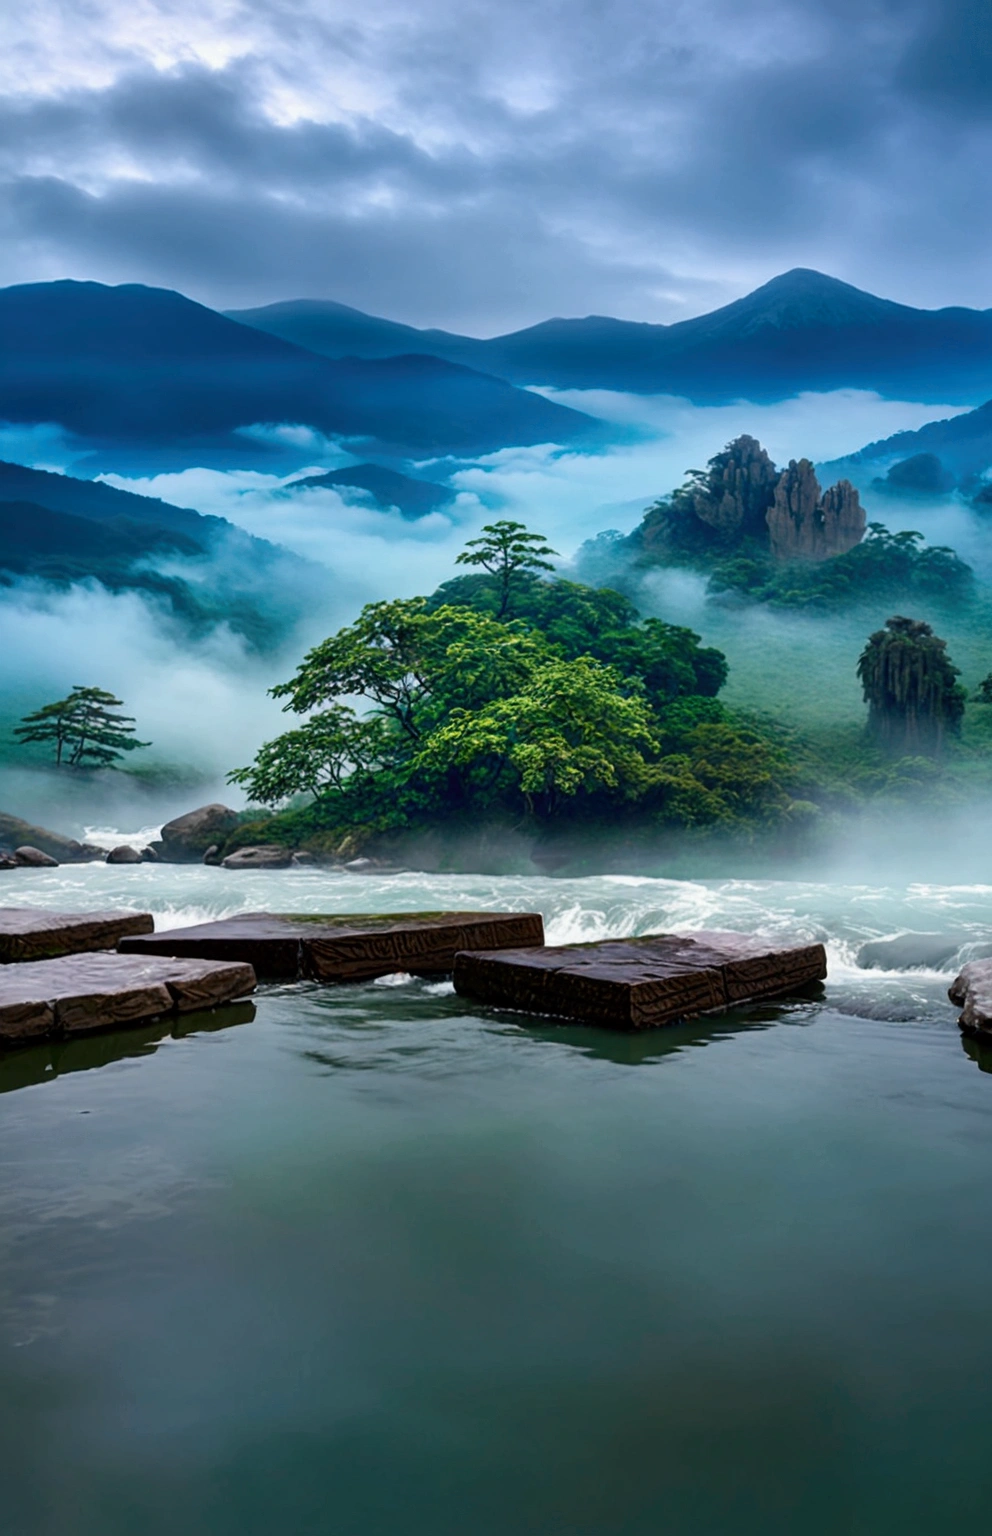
(83, 729)
(428, 709)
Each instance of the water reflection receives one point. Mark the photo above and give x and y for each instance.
(980, 1051)
(636, 1048)
(27, 1066)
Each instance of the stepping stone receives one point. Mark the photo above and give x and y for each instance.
(29, 933)
(639, 983)
(77, 993)
(345, 948)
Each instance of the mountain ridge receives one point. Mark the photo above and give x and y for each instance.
(802, 330)
(961, 444)
(62, 530)
(146, 366)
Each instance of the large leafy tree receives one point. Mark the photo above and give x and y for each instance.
(83, 729)
(428, 709)
(910, 686)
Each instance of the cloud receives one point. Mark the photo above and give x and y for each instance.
(481, 165)
(568, 495)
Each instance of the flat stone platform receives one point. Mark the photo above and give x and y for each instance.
(346, 948)
(28, 933)
(78, 993)
(639, 983)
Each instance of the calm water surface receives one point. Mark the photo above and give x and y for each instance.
(367, 1260)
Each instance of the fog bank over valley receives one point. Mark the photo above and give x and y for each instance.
(201, 700)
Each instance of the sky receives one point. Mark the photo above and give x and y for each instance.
(483, 164)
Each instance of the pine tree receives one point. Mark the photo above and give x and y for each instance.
(82, 728)
(910, 686)
(507, 551)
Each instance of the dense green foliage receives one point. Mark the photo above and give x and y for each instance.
(910, 686)
(885, 566)
(569, 709)
(83, 729)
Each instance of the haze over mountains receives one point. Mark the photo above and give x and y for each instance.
(801, 331)
(149, 368)
(143, 380)
(205, 571)
(961, 444)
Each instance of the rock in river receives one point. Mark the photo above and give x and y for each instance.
(186, 839)
(907, 951)
(33, 858)
(15, 833)
(124, 855)
(264, 856)
(972, 991)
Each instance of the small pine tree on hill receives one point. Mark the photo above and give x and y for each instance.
(83, 729)
(507, 551)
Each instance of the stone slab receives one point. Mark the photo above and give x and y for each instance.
(332, 948)
(639, 983)
(77, 993)
(972, 991)
(29, 933)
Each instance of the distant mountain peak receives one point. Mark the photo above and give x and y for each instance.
(794, 300)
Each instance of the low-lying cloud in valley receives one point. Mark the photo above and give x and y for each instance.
(569, 495)
(203, 702)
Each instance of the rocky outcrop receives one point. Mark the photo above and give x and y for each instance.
(124, 854)
(33, 858)
(805, 524)
(186, 839)
(15, 833)
(263, 856)
(737, 490)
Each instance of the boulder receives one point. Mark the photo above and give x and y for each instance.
(212, 855)
(908, 951)
(149, 856)
(264, 856)
(15, 833)
(972, 991)
(124, 855)
(186, 839)
(302, 859)
(33, 858)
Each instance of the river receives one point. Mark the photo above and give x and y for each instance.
(367, 1260)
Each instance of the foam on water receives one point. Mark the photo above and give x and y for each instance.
(843, 917)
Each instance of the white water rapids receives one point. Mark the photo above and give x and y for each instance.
(842, 916)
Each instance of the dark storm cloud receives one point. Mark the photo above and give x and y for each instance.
(485, 164)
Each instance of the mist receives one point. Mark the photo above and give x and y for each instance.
(569, 495)
(202, 700)
(201, 703)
